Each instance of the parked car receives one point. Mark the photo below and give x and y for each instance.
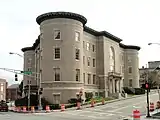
(3, 106)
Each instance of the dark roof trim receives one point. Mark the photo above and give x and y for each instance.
(129, 46)
(34, 45)
(102, 33)
(53, 15)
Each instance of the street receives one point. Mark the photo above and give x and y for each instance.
(112, 111)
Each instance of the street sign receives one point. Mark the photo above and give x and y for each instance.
(27, 72)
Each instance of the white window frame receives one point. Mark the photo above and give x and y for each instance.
(94, 62)
(93, 48)
(94, 79)
(79, 53)
(54, 53)
(84, 77)
(54, 72)
(89, 74)
(131, 82)
(131, 70)
(55, 94)
(55, 34)
(84, 58)
(77, 33)
(89, 58)
(88, 47)
(78, 70)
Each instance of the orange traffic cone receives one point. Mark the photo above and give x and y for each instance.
(62, 107)
(32, 109)
(78, 105)
(48, 108)
(136, 115)
(151, 107)
(102, 101)
(92, 103)
(24, 109)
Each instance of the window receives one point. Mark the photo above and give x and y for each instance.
(2, 88)
(1, 97)
(88, 46)
(84, 77)
(112, 59)
(130, 82)
(77, 36)
(83, 44)
(77, 74)
(57, 53)
(77, 54)
(57, 35)
(123, 69)
(130, 69)
(94, 62)
(29, 61)
(93, 48)
(88, 61)
(94, 79)
(84, 60)
(129, 59)
(56, 98)
(57, 74)
(29, 69)
(89, 78)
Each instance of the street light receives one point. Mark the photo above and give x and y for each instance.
(153, 43)
(12, 53)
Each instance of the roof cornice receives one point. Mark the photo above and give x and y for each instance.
(53, 15)
(129, 46)
(102, 33)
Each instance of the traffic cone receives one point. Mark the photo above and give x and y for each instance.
(78, 105)
(92, 103)
(24, 109)
(151, 107)
(32, 109)
(136, 115)
(102, 101)
(62, 107)
(48, 108)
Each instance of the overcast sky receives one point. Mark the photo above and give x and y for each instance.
(137, 22)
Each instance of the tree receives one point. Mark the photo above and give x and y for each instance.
(20, 88)
(153, 78)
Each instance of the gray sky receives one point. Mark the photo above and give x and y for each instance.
(137, 22)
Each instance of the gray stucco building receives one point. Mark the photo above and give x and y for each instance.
(70, 57)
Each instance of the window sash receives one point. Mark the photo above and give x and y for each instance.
(57, 53)
(57, 35)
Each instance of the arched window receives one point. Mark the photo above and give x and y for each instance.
(112, 59)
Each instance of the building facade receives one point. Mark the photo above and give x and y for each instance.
(153, 64)
(12, 92)
(69, 58)
(3, 87)
(151, 72)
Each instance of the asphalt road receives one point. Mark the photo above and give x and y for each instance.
(112, 111)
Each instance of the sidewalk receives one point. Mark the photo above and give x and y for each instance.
(111, 101)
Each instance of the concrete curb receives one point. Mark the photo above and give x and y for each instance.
(86, 106)
(110, 101)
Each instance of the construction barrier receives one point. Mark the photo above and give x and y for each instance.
(136, 115)
(151, 109)
(62, 107)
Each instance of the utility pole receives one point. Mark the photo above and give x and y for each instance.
(147, 87)
(29, 90)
